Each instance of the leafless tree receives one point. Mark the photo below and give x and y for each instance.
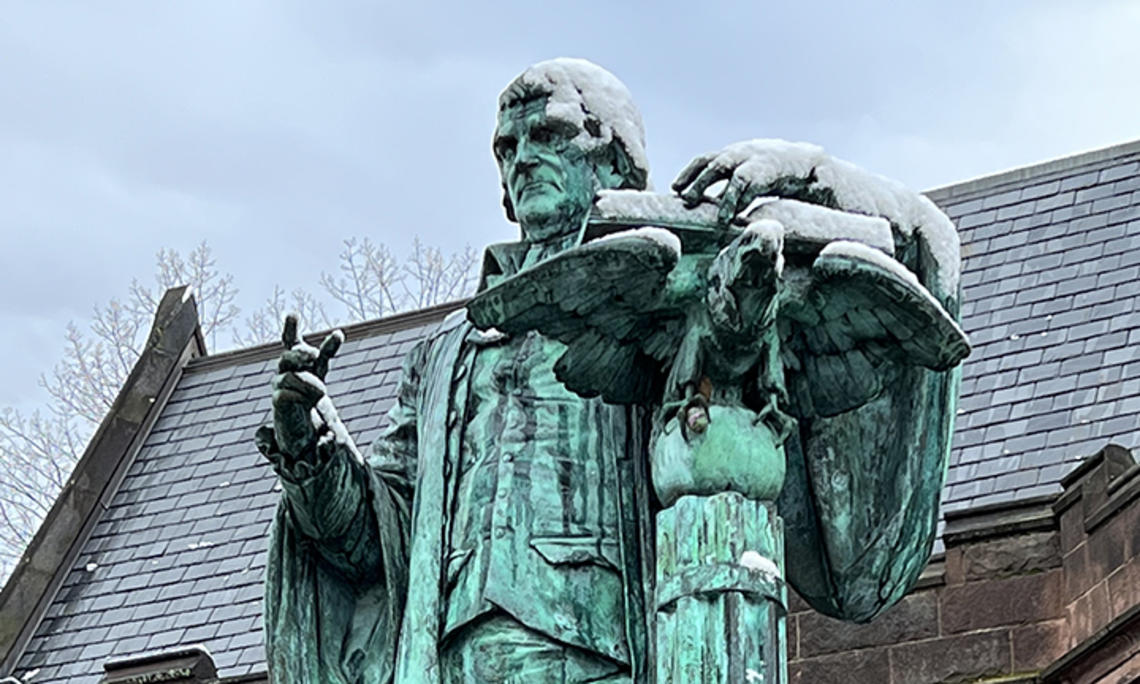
(369, 281)
(373, 284)
(38, 452)
(264, 324)
(431, 277)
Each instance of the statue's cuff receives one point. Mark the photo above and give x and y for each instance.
(311, 463)
(324, 496)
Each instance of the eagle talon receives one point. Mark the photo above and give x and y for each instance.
(694, 415)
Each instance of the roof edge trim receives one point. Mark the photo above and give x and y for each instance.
(175, 337)
(1021, 173)
(376, 326)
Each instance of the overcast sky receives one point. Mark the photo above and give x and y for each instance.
(274, 130)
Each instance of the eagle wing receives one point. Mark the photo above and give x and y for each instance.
(605, 301)
(850, 321)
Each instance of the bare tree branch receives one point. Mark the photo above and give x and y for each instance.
(369, 277)
(264, 324)
(435, 278)
(37, 453)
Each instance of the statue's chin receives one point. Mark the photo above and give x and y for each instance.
(545, 227)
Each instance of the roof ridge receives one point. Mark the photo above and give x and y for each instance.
(364, 329)
(1017, 174)
(175, 336)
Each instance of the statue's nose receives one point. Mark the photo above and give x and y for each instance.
(525, 162)
(527, 152)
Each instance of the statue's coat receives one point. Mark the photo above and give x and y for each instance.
(860, 507)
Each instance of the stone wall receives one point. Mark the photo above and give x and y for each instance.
(1045, 590)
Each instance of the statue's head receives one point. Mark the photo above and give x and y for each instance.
(566, 129)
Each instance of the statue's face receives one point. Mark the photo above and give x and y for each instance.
(549, 180)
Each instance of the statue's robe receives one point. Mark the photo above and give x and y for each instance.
(355, 575)
(355, 582)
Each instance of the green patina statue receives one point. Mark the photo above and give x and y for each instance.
(608, 465)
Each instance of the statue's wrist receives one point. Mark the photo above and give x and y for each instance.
(302, 465)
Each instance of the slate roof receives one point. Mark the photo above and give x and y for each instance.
(1051, 286)
(1051, 268)
(178, 557)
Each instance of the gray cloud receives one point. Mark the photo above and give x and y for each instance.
(276, 130)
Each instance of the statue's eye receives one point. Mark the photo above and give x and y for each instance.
(505, 147)
(542, 135)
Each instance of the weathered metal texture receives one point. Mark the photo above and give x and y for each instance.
(721, 597)
(816, 383)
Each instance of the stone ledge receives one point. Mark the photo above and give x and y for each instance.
(1104, 650)
(1000, 520)
(174, 338)
(185, 665)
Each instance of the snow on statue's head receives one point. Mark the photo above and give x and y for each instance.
(596, 103)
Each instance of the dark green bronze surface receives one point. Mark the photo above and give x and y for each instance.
(619, 455)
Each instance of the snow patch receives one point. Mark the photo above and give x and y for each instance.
(754, 561)
(658, 235)
(490, 335)
(90, 567)
(643, 207)
(580, 90)
(813, 223)
(328, 414)
(859, 251)
(802, 222)
(771, 234)
(765, 160)
(312, 380)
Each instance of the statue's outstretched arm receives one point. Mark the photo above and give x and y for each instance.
(332, 496)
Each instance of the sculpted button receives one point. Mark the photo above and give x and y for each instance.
(500, 532)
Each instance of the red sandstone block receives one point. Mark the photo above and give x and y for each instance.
(868, 666)
(914, 617)
(994, 603)
(1072, 528)
(1088, 613)
(1076, 567)
(950, 659)
(1107, 548)
(1124, 587)
(1036, 646)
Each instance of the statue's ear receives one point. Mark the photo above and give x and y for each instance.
(614, 170)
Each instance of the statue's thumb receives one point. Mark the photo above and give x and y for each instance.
(266, 441)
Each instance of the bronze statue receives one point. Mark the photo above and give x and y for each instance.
(606, 474)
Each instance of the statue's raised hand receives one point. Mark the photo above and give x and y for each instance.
(298, 388)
